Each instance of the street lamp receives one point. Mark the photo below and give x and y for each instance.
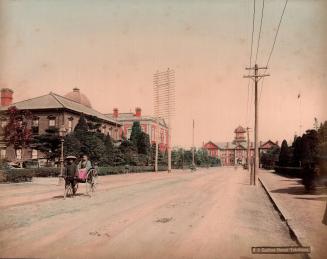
(62, 134)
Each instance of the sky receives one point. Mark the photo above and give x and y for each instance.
(111, 49)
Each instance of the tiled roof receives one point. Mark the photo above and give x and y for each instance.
(55, 101)
(229, 145)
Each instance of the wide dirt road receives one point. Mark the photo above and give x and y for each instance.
(212, 213)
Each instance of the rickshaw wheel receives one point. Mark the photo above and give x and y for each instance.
(91, 180)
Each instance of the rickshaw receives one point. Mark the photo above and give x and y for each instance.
(89, 178)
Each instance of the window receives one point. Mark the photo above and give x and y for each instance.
(35, 126)
(3, 123)
(3, 153)
(52, 121)
(162, 137)
(104, 129)
(19, 154)
(35, 122)
(34, 154)
(153, 134)
(70, 125)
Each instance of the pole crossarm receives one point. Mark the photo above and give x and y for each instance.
(257, 76)
(253, 68)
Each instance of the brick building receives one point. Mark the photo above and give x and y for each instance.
(148, 125)
(235, 152)
(51, 110)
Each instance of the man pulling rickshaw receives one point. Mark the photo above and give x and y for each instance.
(83, 172)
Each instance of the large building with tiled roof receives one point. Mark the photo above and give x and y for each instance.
(235, 152)
(148, 125)
(51, 110)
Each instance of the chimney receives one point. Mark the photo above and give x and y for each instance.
(6, 96)
(138, 112)
(276, 142)
(76, 90)
(115, 112)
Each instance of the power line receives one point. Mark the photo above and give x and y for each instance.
(250, 62)
(274, 43)
(275, 38)
(259, 36)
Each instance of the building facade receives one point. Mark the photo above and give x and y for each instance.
(235, 152)
(50, 111)
(148, 125)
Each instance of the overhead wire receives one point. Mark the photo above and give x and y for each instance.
(250, 62)
(273, 45)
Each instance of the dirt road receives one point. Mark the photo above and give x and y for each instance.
(212, 213)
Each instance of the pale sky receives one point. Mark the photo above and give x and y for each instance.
(110, 50)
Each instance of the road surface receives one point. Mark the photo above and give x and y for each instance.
(210, 213)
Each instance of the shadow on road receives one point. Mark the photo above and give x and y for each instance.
(75, 195)
(296, 190)
(313, 199)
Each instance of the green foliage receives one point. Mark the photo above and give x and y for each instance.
(48, 143)
(81, 127)
(322, 132)
(269, 159)
(129, 152)
(72, 145)
(17, 132)
(136, 131)
(143, 144)
(284, 155)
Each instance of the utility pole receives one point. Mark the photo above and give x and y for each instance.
(248, 155)
(256, 77)
(164, 106)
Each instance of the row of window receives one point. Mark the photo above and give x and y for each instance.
(18, 153)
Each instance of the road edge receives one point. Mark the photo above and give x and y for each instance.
(296, 235)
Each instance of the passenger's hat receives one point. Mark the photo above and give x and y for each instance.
(70, 157)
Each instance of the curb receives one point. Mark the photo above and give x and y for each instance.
(299, 239)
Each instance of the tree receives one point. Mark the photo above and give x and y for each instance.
(16, 132)
(81, 126)
(48, 143)
(269, 159)
(143, 144)
(91, 143)
(297, 151)
(72, 146)
(136, 131)
(129, 152)
(109, 146)
(322, 132)
(284, 154)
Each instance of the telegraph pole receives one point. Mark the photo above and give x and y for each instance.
(248, 148)
(256, 77)
(164, 106)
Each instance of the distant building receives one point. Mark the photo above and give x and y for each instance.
(148, 125)
(51, 110)
(235, 152)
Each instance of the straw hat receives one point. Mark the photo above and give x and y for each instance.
(70, 157)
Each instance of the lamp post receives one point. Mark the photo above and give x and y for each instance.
(62, 133)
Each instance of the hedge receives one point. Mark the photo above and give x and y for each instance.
(289, 171)
(26, 175)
